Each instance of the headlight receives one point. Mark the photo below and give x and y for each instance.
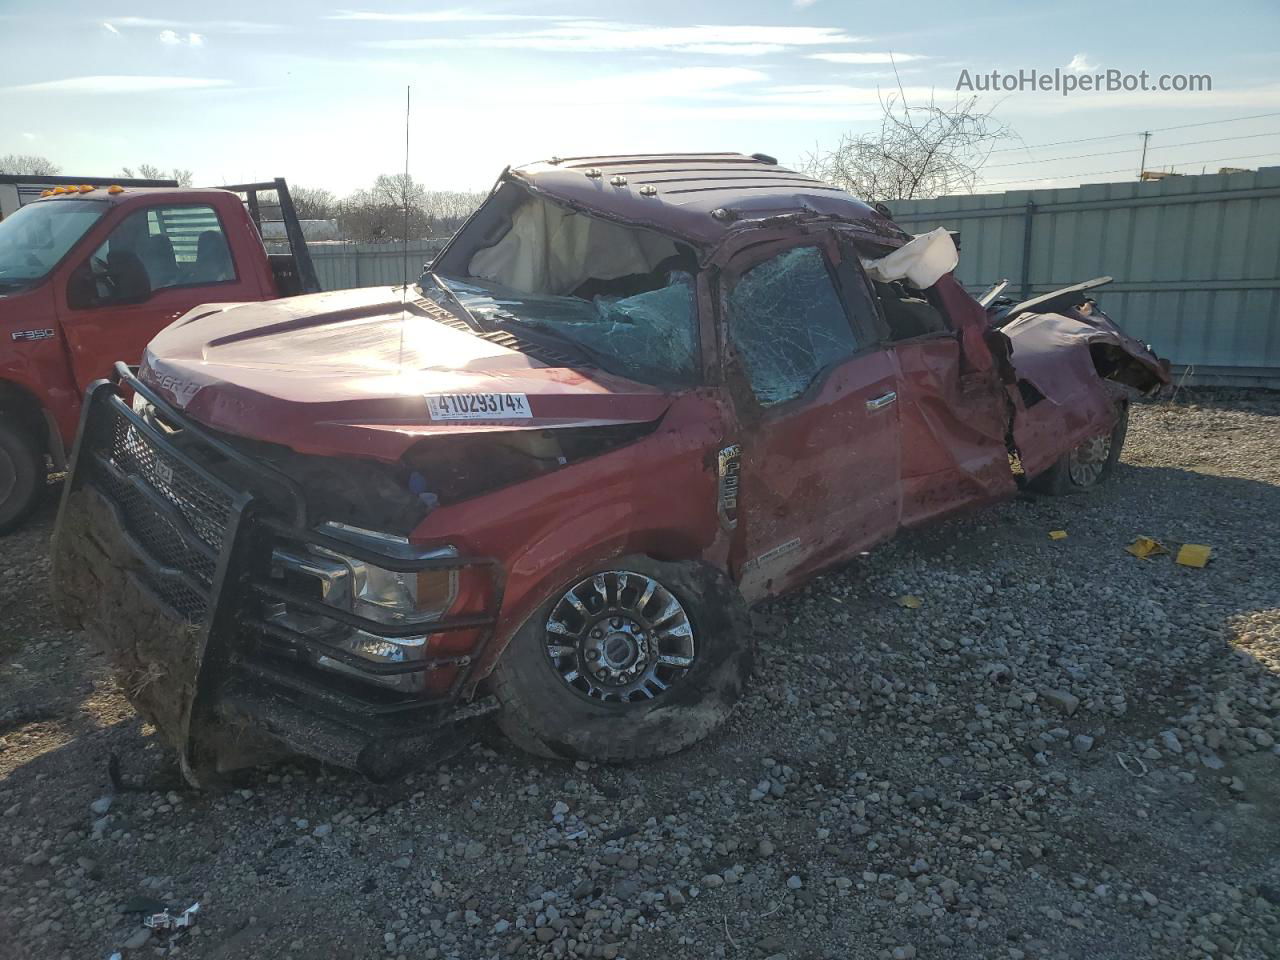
(377, 593)
(390, 596)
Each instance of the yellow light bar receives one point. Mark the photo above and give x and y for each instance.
(115, 188)
(86, 188)
(47, 192)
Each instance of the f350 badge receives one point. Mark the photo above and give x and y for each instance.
(730, 464)
(24, 335)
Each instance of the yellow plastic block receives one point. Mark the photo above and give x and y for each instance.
(910, 602)
(1146, 547)
(1057, 534)
(1192, 555)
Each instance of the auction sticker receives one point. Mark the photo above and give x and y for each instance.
(479, 406)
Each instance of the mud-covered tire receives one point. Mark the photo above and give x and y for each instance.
(22, 474)
(1059, 480)
(542, 714)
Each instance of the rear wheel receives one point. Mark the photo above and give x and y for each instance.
(22, 474)
(1088, 464)
(637, 660)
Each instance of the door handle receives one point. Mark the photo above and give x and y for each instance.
(883, 401)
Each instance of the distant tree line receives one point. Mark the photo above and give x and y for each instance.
(28, 165)
(146, 171)
(31, 165)
(395, 207)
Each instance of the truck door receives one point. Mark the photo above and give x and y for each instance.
(153, 266)
(954, 415)
(816, 402)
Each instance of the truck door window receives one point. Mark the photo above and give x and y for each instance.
(155, 249)
(787, 323)
(908, 312)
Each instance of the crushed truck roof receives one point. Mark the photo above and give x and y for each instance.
(699, 196)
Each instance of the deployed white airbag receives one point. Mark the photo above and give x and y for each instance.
(550, 250)
(922, 261)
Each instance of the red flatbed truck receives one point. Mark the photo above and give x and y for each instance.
(90, 273)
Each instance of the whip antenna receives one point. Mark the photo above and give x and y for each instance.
(404, 198)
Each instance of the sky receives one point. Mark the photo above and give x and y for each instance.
(314, 92)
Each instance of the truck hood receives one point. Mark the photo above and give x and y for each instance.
(356, 373)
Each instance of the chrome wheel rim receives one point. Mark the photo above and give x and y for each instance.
(8, 476)
(1086, 462)
(620, 637)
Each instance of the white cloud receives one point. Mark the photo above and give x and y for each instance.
(28, 136)
(458, 15)
(815, 94)
(734, 49)
(801, 4)
(864, 58)
(171, 38)
(603, 36)
(672, 86)
(110, 29)
(1080, 64)
(119, 84)
(686, 81)
(209, 26)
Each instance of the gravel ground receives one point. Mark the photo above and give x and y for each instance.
(1064, 751)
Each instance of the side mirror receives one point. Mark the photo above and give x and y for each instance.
(81, 290)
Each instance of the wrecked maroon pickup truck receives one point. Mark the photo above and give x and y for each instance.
(633, 396)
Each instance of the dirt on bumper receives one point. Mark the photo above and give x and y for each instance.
(155, 655)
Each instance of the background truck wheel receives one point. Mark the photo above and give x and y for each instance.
(22, 474)
(1087, 465)
(638, 660)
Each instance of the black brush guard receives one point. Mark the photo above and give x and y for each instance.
(203, 549)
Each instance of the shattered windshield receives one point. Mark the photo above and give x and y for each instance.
(36, 237)
(648, 337)
(617, 297)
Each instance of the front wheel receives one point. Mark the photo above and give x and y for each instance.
(638, 660)
(1088, 464)
(22, 474)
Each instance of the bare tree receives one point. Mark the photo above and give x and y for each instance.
(146, 171)
(315, 203)
(448, 208)
(398, 190)
(925, 150)
(28, 165)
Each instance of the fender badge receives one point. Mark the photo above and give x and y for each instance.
(730, 467)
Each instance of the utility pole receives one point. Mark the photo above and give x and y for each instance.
(1142, 164)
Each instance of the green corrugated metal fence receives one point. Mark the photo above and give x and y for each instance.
(1196, 260)
(340, 266)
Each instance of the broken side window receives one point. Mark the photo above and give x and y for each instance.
(787, 324)
(908, 310)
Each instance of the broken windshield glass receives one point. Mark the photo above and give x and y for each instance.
(649, 336)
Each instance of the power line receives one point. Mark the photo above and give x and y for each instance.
(1135, 133)
(1096, 173)
(1113, 153)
